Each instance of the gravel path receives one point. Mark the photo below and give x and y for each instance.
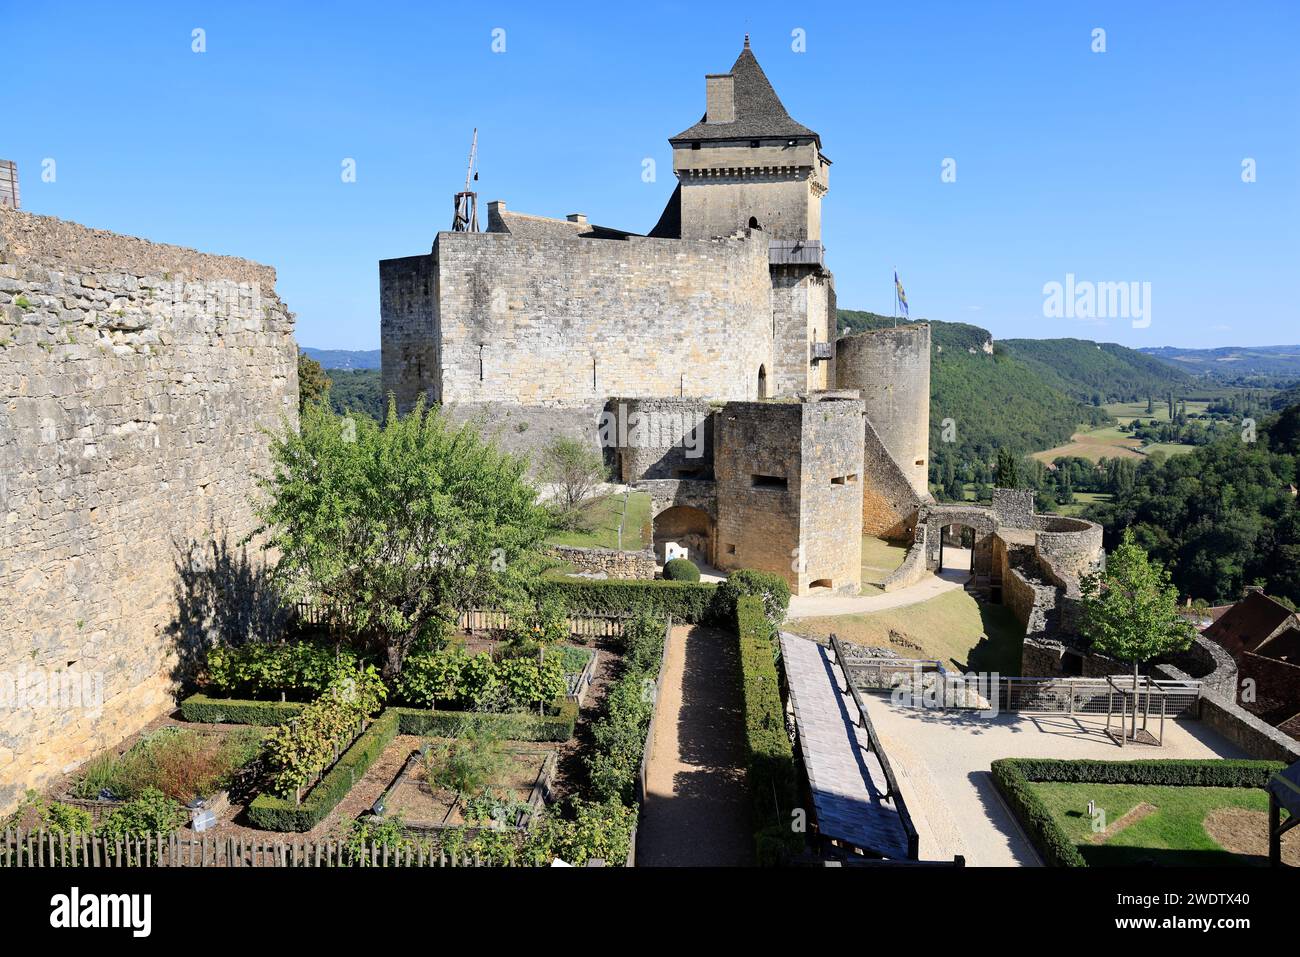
(697, 801)
(931, 586)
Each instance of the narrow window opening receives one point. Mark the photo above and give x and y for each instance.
(769, 481)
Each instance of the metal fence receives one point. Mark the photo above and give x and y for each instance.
(1089, 695)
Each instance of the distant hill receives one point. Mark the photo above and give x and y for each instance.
(1085, 370)
(994, 398)
(344, 358)
(1232, 362)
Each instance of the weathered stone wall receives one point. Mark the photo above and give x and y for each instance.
(136, 380)
(607, 562)
(661, 438)
(889, 503)
(788, 490)
(557, 319)
(891, 369)
(758, 518)
(408, 329)
(830, 504)
(801, 316)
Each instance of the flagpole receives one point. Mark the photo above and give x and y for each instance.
(895, 297)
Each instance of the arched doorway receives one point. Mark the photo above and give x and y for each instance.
(683, 527)
(762, 382)
(753, 223)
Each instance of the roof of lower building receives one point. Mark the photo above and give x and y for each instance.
(759, 112)
(525, 226)
(1248, 623)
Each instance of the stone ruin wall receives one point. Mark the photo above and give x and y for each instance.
(136, 380)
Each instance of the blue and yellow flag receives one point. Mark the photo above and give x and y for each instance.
(898, 292)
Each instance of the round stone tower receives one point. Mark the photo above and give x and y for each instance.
(891, 369)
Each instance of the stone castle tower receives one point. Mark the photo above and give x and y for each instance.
(538, 325)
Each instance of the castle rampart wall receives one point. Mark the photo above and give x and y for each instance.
(136, 382)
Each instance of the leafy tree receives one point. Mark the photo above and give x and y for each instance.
(1008, 471)
(576, 471)
(313, 383)
(1130, 610)
(400, 526)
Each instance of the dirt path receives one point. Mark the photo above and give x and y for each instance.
(931, 586)
(697, 802)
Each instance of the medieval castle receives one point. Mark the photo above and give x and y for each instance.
(721, 317)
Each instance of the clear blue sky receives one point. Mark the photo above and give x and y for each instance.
(1115, 166)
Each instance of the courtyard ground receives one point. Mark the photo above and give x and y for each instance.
(942, 759)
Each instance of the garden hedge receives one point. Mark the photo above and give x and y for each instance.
(273, 813)
(206, 710)
(771, 768)
(515, 727)
(694, 602)
(1012, 777)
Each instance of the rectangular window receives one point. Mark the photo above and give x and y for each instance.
(844, 479)
(769, 481)
(731, 549)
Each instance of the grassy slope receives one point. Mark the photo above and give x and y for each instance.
(954, 628)
(1175, 826)
(603, 517)
(879, 558)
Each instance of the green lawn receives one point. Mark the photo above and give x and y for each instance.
(879, 559)
(603, 518)
(1173, 834)
(1169, 448)
(954, 628)
(1126, 412)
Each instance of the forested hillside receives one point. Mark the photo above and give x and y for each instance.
(993, 398)
(1222, 516)
(1098, 372)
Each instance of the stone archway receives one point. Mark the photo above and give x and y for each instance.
(983, 525)
(686, 527)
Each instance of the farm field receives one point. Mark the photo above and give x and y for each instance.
(1165, 825)
(1081, 501)
(1109, 442)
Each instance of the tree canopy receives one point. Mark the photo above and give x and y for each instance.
(398, 526)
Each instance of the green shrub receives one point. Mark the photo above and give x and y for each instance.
(515, 726)
(1012, 777)
(629, 705)
(1052, 842)
(681, 570)
(151, 813)
(772, 591)
(179, 762)
(65, 819)
(273, 813)
(202, 709)
(298, 669)
(770, 757)
(456, 678)
(598, 830)
(298, 751)
(694, 602)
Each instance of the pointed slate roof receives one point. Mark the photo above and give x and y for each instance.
(759, 112)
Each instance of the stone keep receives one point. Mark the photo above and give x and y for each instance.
(136, 382)
(725, 299)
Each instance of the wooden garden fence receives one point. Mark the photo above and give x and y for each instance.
(42, 848)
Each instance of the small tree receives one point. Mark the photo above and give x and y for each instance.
(576, 470)
(1130, 611)
(401, 525)
(313, 383)
(1008, 469)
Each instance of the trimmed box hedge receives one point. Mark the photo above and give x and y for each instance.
(273, 813)
(515, 727)
(770, 757)
(1012, 777)
(694, 602)
(203, 709)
